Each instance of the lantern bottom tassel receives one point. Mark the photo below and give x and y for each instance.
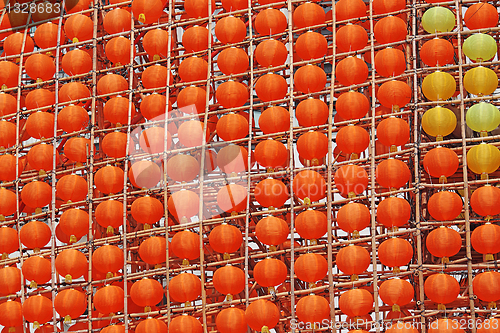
(265, 329)
(67, 319)
(489, 257)
(441, 306)
(492, 305)
(396, 308)
(68, 278)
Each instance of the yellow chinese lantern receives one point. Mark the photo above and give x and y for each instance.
(439, 122)
(483, 159)
(480, 81)
(438, 19)
(480, 47)
(483, 118)
(439, 86)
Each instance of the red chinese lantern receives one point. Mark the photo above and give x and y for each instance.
(271, 154)
(445, 206)
(73, 118)
(12, 314)
(74, 91)
(13, 44)
(270, 21)
(191, 133)
(311, 224)
(311, 267)
(352, 140)
(232, 198)
(8, 104)
(116, 110)
(109, 299)
(481, 16)
(390, 29)
(351, 71)
(186, 245)
(484, 201)
(349, 9)
(155, 43)
(76, 62)
(309, 186)
(441, 162)
(351, 180)
(392, 173)
(486, 287)
(394, 94)
(351, 37)
(8, 203)
(108, 259)
(199, 8)
(147, 210)
(74, 6)
(395, 252)
(8, 241)
(231, 320)
(270, 272)
(74, 223)
(36, 195)
(442, 289)
(40, 157)
(271, 87)
(153, 107)
(185, 323)
(308, 14)
(309, 79)
(46, 35)
(393, 132)
(9, 77)
(393, 212)
(77, 149)
(396, 293)
(70, 304)
(155, 77)
(153, 251)
(230, 29)
(312, 112)
(232, 61)
(229, 280)
(109, 179)
(225, 239)
(7, 134)
(313, 146)
(118, 51)
(195, 39)
(72, 264)
(313, 309)
(11, 280)
(311, 45)
(390, 62)
(146, 293)
(352, 105)
(183, 168)
(35, 235)
(353, 260)
(232, 94)
(485, 239)
(183, 205)
(272, 231)
(271, 53)
(262, 315)
(193, 69)
(151, 325)
(111, 83)
(356, 302)
(232, 126)
(37, 270)
(353, 217)
(147, 12)
(41, 98)
(40, 67)
(153, 141)
(114, 144)
(274, 119)
(191, 100)
(271, 193)
(78, 28)
(109, 214)
(437, 52)
(116, 21)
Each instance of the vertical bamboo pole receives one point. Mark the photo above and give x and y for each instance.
(458, 13)
(416, 134)
(373, 227)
